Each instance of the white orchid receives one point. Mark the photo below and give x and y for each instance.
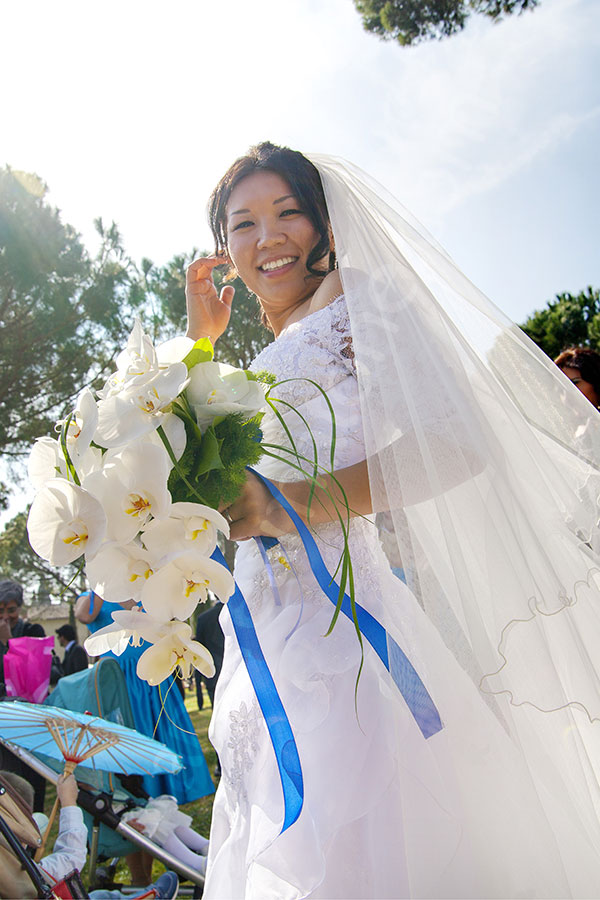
(177, 587)
(189, 526)
(140, 407)
(65, 521)
(132, 487)
(130, 626)
(135, 364)
(118, 572)
(82, 426)
(175, 649)
(216, 389)
(47, 460)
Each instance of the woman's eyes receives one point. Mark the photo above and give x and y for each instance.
(247, 223)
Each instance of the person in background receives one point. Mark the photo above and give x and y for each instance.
(13, 626)
(11, 601)
(75, 658)
(11, 623)
(210, 633)
(582, 366)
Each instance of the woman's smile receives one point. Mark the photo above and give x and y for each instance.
(277, 266)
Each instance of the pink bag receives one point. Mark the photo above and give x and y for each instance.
(27, 668)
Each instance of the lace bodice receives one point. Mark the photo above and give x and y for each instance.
(316, 355)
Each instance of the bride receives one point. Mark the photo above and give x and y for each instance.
(452, 750)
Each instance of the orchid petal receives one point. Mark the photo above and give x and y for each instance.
(64, 522)
(83, 423)
(118, 573)
(177, 588)
(190, 526)
(46, 461)
(131, 488)
(174, 350)
(173, 651)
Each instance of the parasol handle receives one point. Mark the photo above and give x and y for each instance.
(69, 768)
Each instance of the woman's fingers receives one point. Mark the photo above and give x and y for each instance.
(207, 264)
(200, 287)
(202, 268)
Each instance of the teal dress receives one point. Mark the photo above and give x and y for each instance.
(174, 727)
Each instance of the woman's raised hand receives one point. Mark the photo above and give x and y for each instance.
(208, 312)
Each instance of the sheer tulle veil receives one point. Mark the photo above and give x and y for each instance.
(487, 459)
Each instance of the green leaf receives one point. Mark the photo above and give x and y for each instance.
(202, 351)
(209, 455)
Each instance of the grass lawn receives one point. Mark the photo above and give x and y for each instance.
(200, 810)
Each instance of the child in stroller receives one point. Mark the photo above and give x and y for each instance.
(56, 874)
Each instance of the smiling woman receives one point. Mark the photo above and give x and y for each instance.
(451, 750)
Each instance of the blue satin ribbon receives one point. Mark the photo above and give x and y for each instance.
(392, 656)
(278, 725)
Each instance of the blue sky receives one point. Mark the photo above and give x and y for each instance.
(132, 111)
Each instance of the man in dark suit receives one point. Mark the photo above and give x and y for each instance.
(209, 633)
(75, 659)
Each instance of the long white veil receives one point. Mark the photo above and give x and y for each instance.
(487, 459)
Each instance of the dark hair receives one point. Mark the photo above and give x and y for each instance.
(11, 591)
(585, 360)
(304, 181)
(68, 632)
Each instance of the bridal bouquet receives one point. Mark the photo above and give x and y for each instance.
(132, 485)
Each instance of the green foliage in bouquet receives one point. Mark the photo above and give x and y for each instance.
(212, 468)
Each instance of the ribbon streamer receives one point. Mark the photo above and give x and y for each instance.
(403, 673)
(278, 725)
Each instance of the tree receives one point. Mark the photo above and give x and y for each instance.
(414, 21)
(567, 321)
(63, 314)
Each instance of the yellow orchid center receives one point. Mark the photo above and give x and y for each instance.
(212, 397)
(74, 429)
(144, 573)
(139, 505)
(283, 561)
(76, 534)
(151, 402)
(180, 660)
(192, 586)
(194, 527)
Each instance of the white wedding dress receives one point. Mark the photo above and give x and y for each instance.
(387, 813)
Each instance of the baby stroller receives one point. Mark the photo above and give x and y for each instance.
(101, 690)
(20, 876)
